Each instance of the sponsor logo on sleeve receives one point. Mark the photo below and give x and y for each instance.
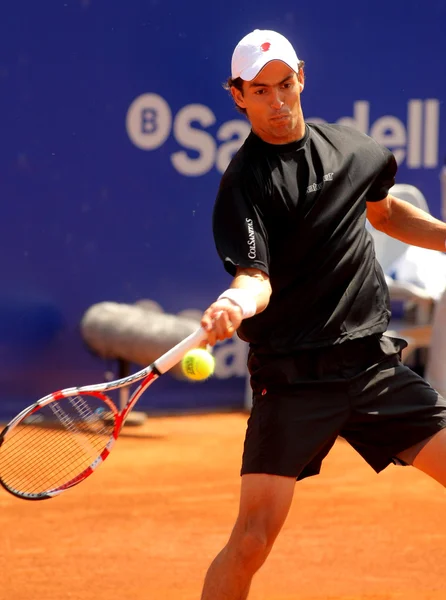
(251, 239)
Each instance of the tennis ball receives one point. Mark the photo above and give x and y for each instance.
(198, 364)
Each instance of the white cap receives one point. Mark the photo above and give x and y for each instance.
(257, 49)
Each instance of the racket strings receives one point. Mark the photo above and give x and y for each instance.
(86, 420)
(35, 460)
(32, 476)
(47, 459)
(55, 445)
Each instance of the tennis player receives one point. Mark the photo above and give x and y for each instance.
(310, 298)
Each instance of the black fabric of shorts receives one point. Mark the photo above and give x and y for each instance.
(358, 390)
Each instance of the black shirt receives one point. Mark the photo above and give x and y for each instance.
(297, 212)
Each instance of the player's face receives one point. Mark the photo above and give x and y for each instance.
(272, 103)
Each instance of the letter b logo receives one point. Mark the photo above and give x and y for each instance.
(149, 121)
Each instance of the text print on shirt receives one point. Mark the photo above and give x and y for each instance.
(314, 187)
(251, 239)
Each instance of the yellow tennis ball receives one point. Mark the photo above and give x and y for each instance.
(198, 364)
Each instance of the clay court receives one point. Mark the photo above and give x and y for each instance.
(147, 523)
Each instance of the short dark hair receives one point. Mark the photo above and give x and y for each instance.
(237, 82)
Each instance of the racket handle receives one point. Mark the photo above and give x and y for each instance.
(175, 354)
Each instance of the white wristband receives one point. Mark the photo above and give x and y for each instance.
(242, 298)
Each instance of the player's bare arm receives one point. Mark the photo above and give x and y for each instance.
(403, 221)
(252, 291)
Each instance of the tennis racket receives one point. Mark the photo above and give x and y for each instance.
(59, 441)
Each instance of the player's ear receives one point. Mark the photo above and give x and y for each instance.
(238, 97)
(301, 79)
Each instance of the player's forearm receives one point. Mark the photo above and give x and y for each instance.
(256, 283)
(414, 226)
(248, 295)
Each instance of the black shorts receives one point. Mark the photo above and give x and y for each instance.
(359, 390)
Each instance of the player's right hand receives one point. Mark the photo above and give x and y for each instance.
(221, 320)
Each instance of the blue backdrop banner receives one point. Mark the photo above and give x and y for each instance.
(116, 130)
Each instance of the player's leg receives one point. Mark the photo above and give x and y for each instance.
(397, 417)
(264, 504)
(290, 430)
(429, 456)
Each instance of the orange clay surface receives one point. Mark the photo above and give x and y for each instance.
(146, 525)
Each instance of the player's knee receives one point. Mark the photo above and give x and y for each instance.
(253, 545)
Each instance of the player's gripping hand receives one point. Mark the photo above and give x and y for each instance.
(221, 320)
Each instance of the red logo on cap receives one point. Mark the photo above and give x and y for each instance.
(266, 46)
